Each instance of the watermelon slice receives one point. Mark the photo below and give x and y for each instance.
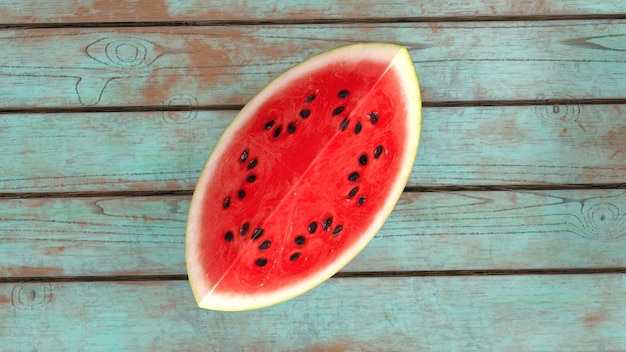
(304, 177)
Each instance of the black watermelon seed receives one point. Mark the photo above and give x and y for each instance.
(343, 93)
(244, 156)
(312, 227)
(378, 151)
(344, 124)
(277, 131)
(327, 223)
(300, 240)
(361, 201)
(353, 192)
(252, 164)
(295, 256)
(363, 159)
(353, 176)
(257, 233)
(261, 262)
(244, 228)
(337, 229)
(229, 236)
(338, 110)
(265, 245)
(251, 178)
(291, 128)
(310, 98)
(226, 202)
(373, 117)
(304, 113)
(358, 127)
(268, 124)
(241, 194)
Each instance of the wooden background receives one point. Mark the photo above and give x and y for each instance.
(511, 235)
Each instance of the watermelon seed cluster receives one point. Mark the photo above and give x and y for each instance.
(300, 240)
(362, 161)
(326, 225)
(276, 129)
(291, 126)
(345, 123)
(241, 193)
(229, 236)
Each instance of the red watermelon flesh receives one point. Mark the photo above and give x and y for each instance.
(303, 177)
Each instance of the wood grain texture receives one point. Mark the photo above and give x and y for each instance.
(74, 11)
(224, 65)
(166, 150)
(426, 231)
(206, 56)
(529, 313)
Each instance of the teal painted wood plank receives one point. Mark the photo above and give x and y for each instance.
(426, 231)
(219, 65)
(514, 313)
(165, 150)
(70, 11)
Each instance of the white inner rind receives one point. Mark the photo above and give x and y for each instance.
(206, 294)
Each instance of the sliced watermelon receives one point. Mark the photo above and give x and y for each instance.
(304, 177)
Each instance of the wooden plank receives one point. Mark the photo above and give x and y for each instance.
(426, 231)
(73, 11)
(530, 313)
(217, 65)
(165, 150)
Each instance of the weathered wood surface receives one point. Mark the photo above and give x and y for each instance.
(512, 313)
(74, 11)
(91, 101)
(227, 65)
(427, 231)
(165, 150)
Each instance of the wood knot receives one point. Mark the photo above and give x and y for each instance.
(31, 295)
(557, 110)
(180, 108)
(601, 221)
(124, 52)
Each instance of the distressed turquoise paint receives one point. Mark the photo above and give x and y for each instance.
(544, 144)
(67, 11)
(467, 146)
(219, 65)
(511, 313)
(426, 231)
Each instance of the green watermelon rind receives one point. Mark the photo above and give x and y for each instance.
(210, 298)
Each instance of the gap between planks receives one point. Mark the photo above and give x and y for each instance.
(340, 275)
(425, 104)
(321, 21)
(454, 188)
